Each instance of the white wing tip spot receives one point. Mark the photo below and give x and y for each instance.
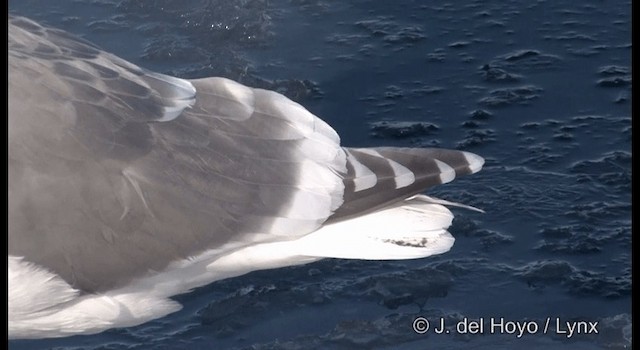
(475, 161)
(403, 176)
(447, 174)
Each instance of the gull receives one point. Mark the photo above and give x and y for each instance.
(127, 187)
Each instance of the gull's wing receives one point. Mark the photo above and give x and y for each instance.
(115, 171)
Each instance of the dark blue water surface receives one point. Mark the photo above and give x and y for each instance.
(541, 89)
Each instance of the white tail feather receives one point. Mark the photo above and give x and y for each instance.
(452, 204)
(414, 228)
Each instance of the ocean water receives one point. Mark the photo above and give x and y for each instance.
(541, 89)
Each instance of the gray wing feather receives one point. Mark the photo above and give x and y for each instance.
(116, 171)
